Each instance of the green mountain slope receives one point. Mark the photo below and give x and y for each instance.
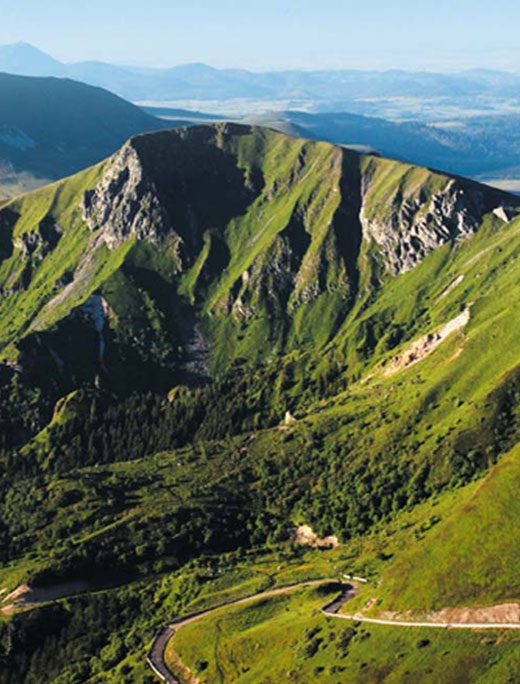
(475, 547)
(270, 240)
(288, 636)
(222, 332)
(460, 549)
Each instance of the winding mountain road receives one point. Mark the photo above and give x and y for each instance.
(157, 662)
(331, 610)
(155, 656)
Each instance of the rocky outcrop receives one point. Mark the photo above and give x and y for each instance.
(305, 535)
(505, 213)
(125, 203)
(40, 241)
(424, 346)
(411, 227)
(97, 310)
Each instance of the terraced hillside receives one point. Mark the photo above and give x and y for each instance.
(223, 332)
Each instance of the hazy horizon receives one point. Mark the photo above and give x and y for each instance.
(382, 68)
(273, 35)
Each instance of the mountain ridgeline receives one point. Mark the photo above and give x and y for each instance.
(53, 127)
(221, 333)
(219, 242)
(201, 81)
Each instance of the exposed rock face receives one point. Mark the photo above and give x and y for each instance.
(305, 535)
(505, 213)
(96, 308)
(415, 226)
(29, 243)
(427, 344)
(125, 203)
(39, 241)
(171, 188)
(148, 192)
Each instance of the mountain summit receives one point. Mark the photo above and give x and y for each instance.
(268, 241)
(26, 60)
(221, 335)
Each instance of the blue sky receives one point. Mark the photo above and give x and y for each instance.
(431, 34)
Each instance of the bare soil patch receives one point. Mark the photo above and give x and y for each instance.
(425, 345)
(305, 535)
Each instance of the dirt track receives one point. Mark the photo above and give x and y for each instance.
(332, 611)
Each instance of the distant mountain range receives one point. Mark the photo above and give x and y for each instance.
(203, 82)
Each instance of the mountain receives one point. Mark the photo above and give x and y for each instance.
(270, 239)
(51, 127)
(219, 334)
(26, 60)
(203, 82)
(475, 146)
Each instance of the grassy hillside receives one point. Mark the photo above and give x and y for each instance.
(446, 553)
(287, 638)
(160, 315)
(475, 547)
(348, 462)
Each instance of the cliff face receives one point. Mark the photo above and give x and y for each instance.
(180, 184)
(125, 204)
(409, 212)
